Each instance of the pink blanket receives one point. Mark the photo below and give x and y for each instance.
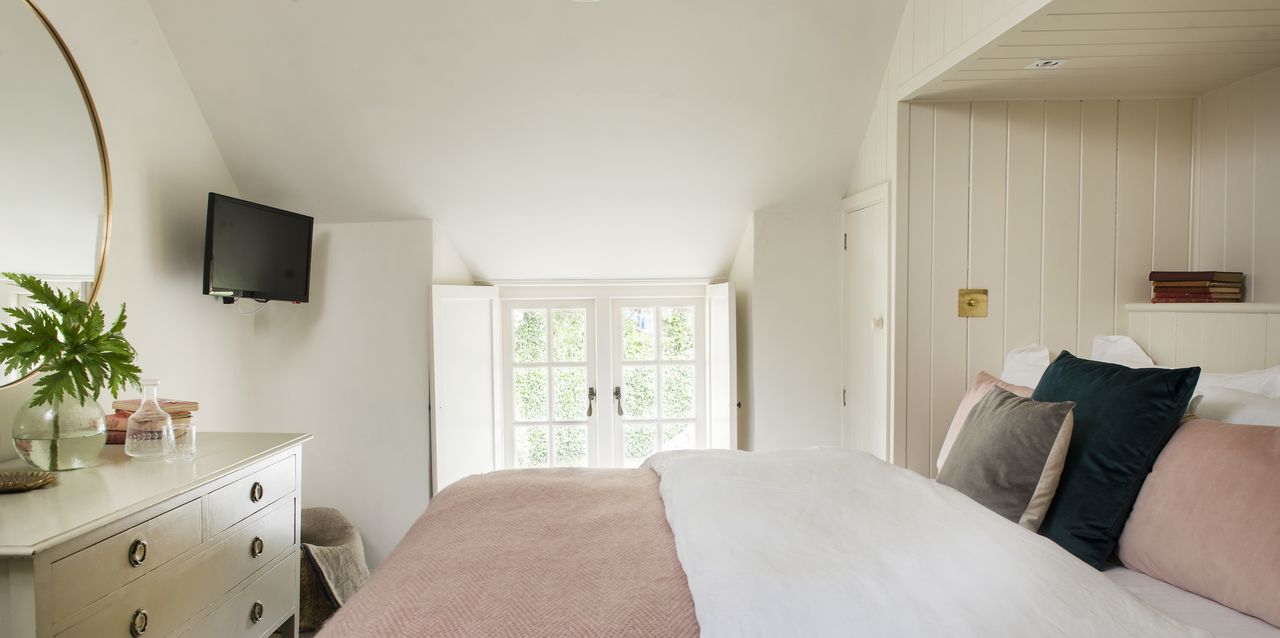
(531, 553)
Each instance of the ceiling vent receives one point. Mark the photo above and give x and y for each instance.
(1047, 63)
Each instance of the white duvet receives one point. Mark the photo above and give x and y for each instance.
(828, 542)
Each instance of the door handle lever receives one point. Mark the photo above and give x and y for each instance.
(617, 398)
(591, 400)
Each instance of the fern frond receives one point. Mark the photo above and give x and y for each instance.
(68, 340)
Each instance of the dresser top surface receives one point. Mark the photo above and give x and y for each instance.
(116, 487)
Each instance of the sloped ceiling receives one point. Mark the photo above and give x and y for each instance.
(551, 139)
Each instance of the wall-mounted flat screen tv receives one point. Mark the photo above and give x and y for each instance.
(256, 251)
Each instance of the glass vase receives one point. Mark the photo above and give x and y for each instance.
(149, 435)
(66, 436)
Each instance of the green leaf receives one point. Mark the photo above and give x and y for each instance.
(68, 340)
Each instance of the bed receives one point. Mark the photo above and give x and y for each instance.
(812, 542)
(1191, 609)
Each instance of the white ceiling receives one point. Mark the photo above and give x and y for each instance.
(549, 138)
(1119, 49)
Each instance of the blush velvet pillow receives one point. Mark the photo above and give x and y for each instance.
(1010, 454)
(981, 386)
(1123, 418)
(1208, 518)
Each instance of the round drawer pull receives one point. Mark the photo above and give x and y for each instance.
(255, 492)
(256, 611)
(137, 552)
(138, 625)
(257, 547)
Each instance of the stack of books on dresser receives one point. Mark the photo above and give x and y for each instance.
(118, 423)
(1209, 286)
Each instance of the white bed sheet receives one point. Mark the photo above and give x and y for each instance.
(817, 543)
(1191, 609)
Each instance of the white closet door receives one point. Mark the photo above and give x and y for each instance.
(722, 367)
(464, 391)
(866, 309)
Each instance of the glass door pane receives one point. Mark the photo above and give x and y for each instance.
(660, 371)
(550, 370)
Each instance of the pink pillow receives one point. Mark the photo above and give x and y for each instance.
(981, 386)
(1208, 517)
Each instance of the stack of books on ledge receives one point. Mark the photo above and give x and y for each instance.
(118, 423)
(1178, 286)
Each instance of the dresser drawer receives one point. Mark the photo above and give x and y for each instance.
(168, 597)
(98, 570)
(237, 501)
(258, 609)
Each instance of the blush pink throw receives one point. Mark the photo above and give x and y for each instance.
(559, 552)
(1208, 517)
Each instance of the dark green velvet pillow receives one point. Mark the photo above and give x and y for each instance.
(1123, 418)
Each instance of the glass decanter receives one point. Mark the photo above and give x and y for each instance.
(149, 435)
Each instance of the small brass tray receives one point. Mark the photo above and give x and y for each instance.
(25, 480)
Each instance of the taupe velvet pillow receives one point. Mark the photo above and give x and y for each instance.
(1010, 454)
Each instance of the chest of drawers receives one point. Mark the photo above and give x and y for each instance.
(134, 549)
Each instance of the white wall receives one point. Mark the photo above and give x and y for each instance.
(1238, 183)
(447, 266)
(351, 367)
(742, 276)
(795, 359)
(163, 161)
(1060, 209)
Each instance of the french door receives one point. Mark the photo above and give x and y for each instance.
(651, 355)
(549, 365)
(659, 374)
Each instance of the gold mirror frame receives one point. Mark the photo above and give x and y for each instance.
(100, 139)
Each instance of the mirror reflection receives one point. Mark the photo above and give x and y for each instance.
(52, 207)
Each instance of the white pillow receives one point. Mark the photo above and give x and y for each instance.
(1121, 350)
(1264, 382)
(1229, 405)
(1024, 366)
(1126, 352)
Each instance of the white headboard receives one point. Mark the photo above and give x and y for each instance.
(1221, 337)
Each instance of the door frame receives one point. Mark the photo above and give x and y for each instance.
(880, 194)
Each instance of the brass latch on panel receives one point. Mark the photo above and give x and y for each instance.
(973, 302)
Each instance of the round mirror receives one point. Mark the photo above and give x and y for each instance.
(55, 184)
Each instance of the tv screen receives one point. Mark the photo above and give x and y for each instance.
(256, 251)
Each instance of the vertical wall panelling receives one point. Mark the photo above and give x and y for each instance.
(1135, 203)
(1273, 345)
(1060, 296)
(1264, 281)
(950, 261)
(1052, 207)
(1174, 123)
(1237, 200)
(919, 35)
(1224, 338)
(936, 47)
(987, 196)
(1097, 286)
(919, 311)
(954, 24)
(1238, 182)
(1024, 225)
(1212, 166)
(972, 16)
